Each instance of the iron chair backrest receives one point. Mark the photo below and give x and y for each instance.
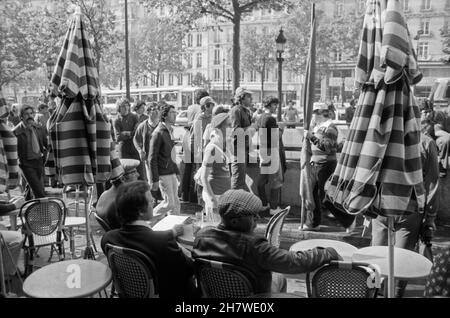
(274, 227)
(102, 222)
(134, 273)
(43, 220)
(224, 280)
(341, 279)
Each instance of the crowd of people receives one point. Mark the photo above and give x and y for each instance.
(216, 155)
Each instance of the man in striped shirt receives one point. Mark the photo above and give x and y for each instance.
(324, 145)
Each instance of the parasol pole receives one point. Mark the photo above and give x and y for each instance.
(391, 239)
(302, 216)
(88, 252)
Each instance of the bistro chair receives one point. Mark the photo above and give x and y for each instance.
(134, 273)
(341, 279)
(224, 280)
(274, 227)
(43, 225)
(8, 268)
(105, 226)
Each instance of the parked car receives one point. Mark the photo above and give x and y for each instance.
(181, 119)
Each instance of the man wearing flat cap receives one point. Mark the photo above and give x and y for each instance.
(233, 241)
(106, 206)
(241, 121)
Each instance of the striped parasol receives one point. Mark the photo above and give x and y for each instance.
(9, 167)
(380, 170)
(79, 130)
(380, 165)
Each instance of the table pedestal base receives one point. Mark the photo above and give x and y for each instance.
(89, 253)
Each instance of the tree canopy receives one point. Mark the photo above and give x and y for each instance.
(159, 49)
(189, 12)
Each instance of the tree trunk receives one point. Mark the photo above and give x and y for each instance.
(157, 78)
(262, 79)
(236, 45)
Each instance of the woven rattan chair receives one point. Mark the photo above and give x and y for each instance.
(134, 273)
(346, 280)
(224, 280)
(43, 225)
(105, 226)
(8, 269)
(274, 227)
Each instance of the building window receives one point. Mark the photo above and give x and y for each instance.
(229, 35)
(161, 80)
(266, 75)
(253, 76)
(423, 50)
(189, 40)
(189, 78)
(153, 79)
(216, 57)
(243, 76)
(337, 56)
(405, 4)
(216, 75)
(361, 6)
(425, 27)
(216, 36)
(199, 39)
(229, 74)
(339, 9)
(189, 60)
(180, 79)
(426, 5)
(170, 79)
(145, 81)
(199, 59)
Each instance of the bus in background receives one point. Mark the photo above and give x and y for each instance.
(440, 93)
(180, 97)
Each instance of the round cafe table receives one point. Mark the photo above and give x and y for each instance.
(188, 236)
(344, 249)
(407, 264)
(68, 279)
(276, 295)
(71, 222)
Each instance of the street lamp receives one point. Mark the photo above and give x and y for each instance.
(280, 41)
(343, 88)
(223, 81)
(127, 54)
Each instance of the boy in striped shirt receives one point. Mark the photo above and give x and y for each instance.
(324, 146)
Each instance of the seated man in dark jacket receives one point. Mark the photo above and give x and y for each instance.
(233, 241)
(174, 268)
(106, 205)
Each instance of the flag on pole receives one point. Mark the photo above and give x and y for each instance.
(306, 191)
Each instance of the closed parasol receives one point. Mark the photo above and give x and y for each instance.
(379, 170)
(80, 132)
(306, 191)
(9, 167)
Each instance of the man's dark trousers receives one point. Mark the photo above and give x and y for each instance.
(320, 173)
(33, 171)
